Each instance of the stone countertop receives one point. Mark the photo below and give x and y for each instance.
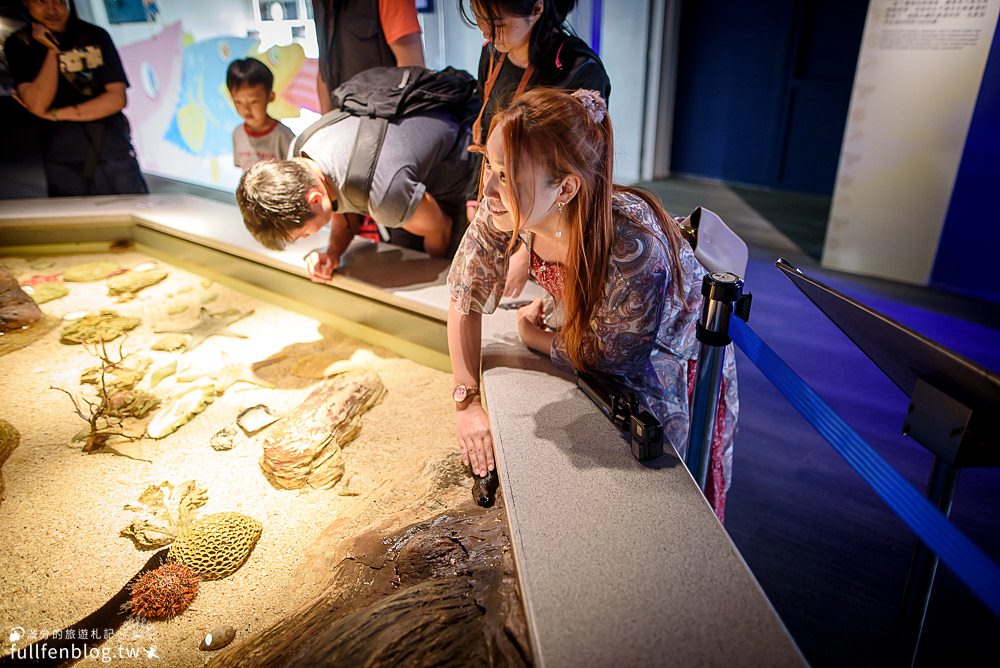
(620, 562)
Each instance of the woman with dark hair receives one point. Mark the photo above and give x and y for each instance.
(527, 46)
(628, 285)
(68, 72)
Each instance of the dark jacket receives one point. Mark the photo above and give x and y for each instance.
(565, 62)
(350, 38)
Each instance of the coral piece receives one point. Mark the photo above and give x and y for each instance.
(216, 546)
(305, 449)
(170, 342)
(217, 638)
(179, 409)
(131, 403)
(47, 292)
(116, 375)
(162, 372)
(10, 438)
(210, 324)
(198, 392)
(131, 282)
(91, 271)
(17, 309)
(164, 592)
(165, 511)
(41, 279)
(97, 327)
(225, 439)
(346, 489)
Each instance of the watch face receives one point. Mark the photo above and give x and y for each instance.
(460, 393)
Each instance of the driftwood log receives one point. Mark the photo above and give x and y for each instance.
(303, 450)
(440, 592)
(17, 309)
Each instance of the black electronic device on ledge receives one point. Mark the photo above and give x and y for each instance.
(639, 427)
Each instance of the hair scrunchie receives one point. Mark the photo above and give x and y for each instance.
(593, 102)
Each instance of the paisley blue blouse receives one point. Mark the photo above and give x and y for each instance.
(642, 331)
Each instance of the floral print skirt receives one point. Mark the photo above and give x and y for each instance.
(715, 485)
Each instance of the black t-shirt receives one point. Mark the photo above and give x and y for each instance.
(566, 62)
(88, 62)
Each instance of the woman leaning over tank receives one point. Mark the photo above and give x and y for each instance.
(610, 256)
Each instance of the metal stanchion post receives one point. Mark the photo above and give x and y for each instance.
(723, 292)
(923, 568)
(940, 423)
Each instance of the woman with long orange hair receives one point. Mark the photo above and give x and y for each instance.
(610, 259)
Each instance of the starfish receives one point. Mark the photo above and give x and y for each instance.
(231, 374)
(226, 375)
(210, 324)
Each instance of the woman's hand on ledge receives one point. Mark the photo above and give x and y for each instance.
(474, 437)
(531, 327)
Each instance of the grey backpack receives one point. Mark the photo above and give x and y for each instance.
(384, 94)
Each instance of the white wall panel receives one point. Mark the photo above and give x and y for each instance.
(917, 81)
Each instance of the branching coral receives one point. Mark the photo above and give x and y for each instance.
(106, 413)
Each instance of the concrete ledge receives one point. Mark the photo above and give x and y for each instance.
(621, 564)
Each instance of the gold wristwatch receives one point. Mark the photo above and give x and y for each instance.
(463, 392)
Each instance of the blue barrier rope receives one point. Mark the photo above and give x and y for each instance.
(962, 556)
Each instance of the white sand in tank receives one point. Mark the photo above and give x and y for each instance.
(61, 555)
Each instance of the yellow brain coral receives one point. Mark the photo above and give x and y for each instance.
(216, 546)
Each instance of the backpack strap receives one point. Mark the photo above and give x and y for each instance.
(329, 118)
(357, 186)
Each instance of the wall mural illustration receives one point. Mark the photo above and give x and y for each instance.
(181, 113)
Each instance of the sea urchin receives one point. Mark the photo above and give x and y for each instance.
(163, 592)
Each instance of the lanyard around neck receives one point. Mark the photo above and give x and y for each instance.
(491, 79)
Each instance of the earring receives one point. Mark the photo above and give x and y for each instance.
(560, 206)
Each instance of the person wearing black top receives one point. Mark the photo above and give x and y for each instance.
(68, 72)
(528, 46)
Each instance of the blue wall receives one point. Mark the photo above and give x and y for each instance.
(969, 250)
(763, 90)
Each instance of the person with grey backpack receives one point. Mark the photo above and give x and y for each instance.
(394, 148)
